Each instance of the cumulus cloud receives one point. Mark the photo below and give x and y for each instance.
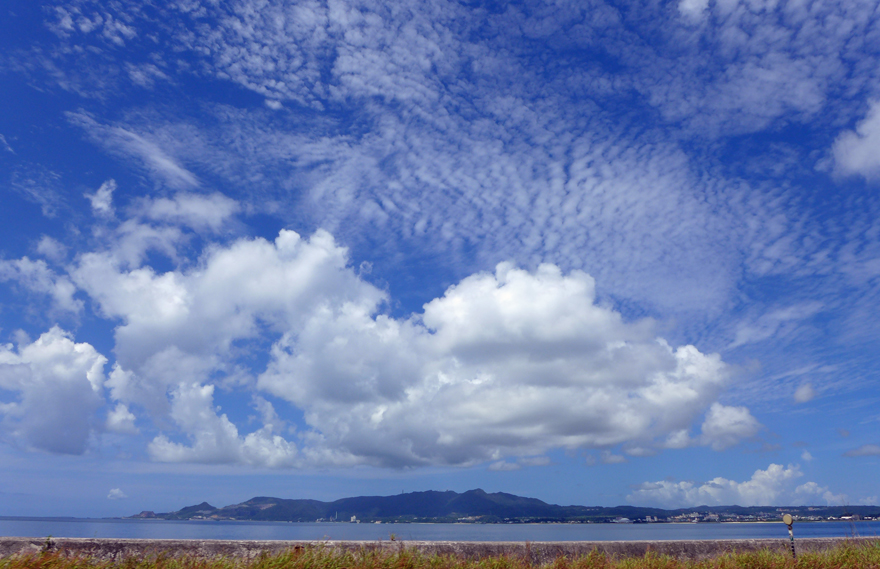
(102, 199)
(116, 494)
(813, 490)
(772, 486)
(509, 363)
(505, 363)
(37, 277)
(58, 384)
(726, 426)
(858, 152)
(804, 393)
(121, 420)
(214, 439)
(52, 249)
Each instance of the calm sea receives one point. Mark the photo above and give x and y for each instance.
(159, 529)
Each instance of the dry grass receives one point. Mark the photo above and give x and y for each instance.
(847, 556)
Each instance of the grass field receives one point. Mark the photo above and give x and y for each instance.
(849, 556)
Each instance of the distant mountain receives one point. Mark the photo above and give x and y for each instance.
(477, 506)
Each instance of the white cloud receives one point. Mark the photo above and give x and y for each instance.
(804, 393)
(694, 9)
(200, 212)
(534, 461)
(806, 456)
(102, 199)
(858, 152)
(52, 249)
(678, 439)
(506, 364)
(5, 145)
(511, 363)
(121, 420)
(772, 486)
(726, 426)
(774, 323)
(59, 387)
(37, 277)
(40, 186)
(611, 458)
(504, 466)
(145, 74)
(116, 494)
(811, 490)
(214, 439)
(128, 144)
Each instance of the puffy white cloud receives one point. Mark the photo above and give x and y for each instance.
(230, 295)
(811, 490)
(858, 152)
(213, 438)
(102, 199)
(804, 393)
(505, 364)
(116, 494)
(774, 485)
(121, 420)
(51, 249)
(37, 277)
(58, 385)
(179, 329)
(726, 426)
(510, 363)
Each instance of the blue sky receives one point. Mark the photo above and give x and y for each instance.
(588, 252)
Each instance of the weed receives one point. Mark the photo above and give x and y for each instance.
(848, 555)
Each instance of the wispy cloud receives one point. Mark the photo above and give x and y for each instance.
(127, 144)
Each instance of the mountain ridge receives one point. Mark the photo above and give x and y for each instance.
(479, 506)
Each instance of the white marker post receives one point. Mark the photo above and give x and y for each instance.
(786, 519)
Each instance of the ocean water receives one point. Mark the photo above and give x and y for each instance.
(160, 529)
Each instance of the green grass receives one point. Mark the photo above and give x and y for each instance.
(847, 556)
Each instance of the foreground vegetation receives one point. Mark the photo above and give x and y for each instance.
(848, 556)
